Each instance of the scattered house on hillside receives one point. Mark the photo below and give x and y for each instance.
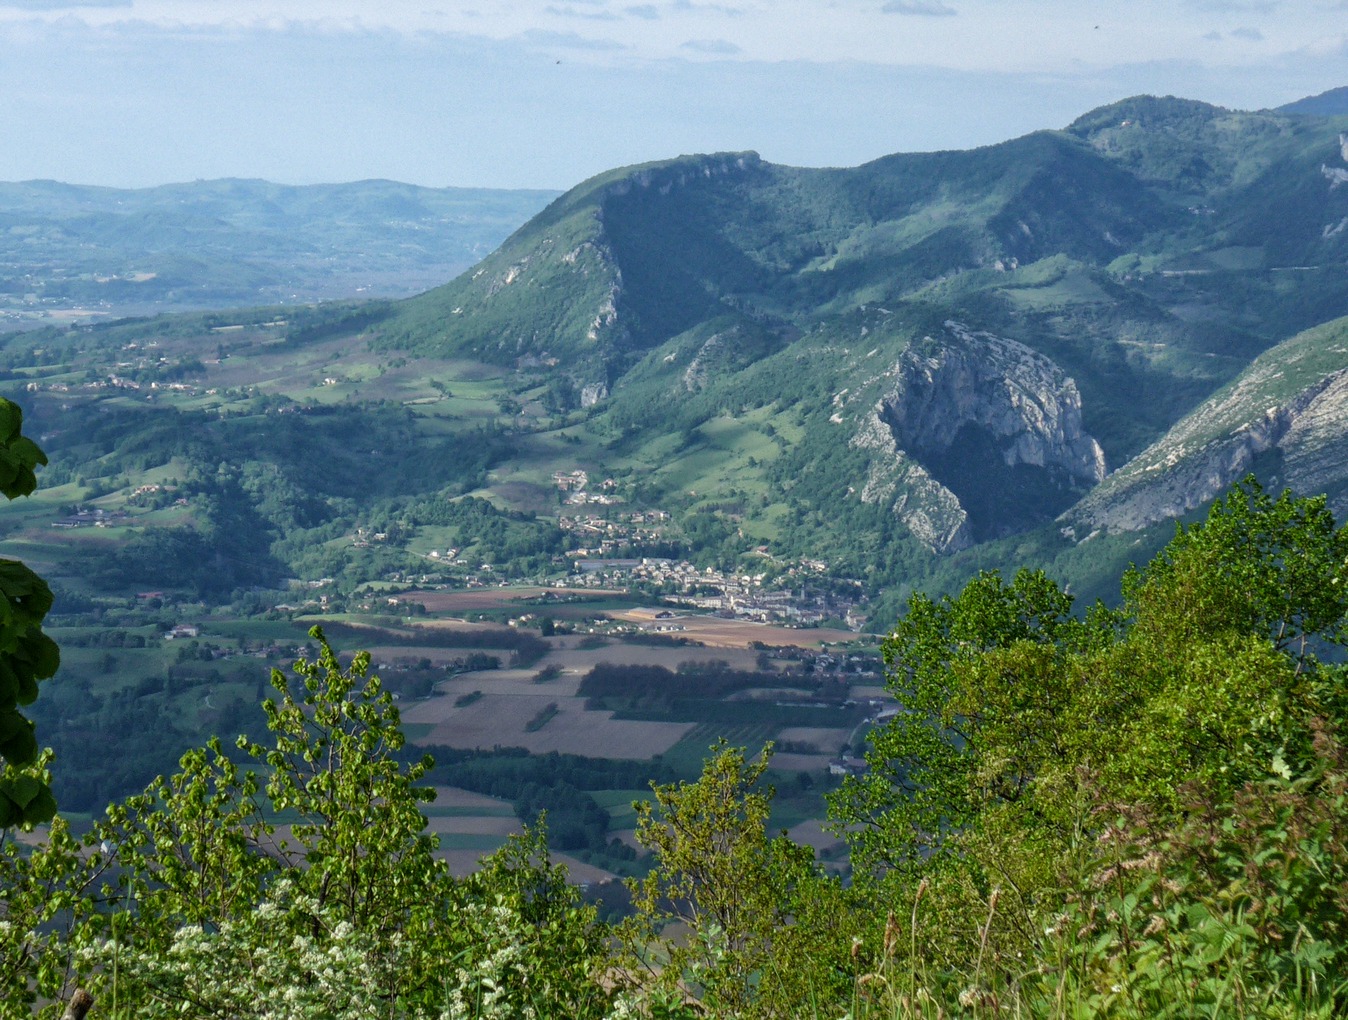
(183, 630)
(570, 481)
(848, 766)
(97, 518)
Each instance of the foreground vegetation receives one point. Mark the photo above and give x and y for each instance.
(1125, 813)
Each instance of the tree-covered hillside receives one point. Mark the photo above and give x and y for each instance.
(786, 394)
(1149, 252)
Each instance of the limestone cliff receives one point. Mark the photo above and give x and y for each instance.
(930, 511)
(1291, 405)
(976, 435)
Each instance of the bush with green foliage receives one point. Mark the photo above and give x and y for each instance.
(1132, 813)
(304, 886)
(1128, 813)
(758, 913)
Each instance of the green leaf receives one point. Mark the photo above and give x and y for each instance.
(42, 808)
(1279, 766)
(21, 789)
(18, 746)
(11, 420)
(43, 655)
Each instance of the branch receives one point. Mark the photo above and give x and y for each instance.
(80, 1004)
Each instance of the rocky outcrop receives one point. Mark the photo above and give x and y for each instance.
(926, 507)
(1315, 446)
(1176, 481)
(1292, 402)
(960, 416)
(678, 173)
(593, 393)
(695, 376)
(1173, 478)
(1020, 397)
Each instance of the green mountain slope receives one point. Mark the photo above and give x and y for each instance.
(801, 391)
(1333, 103)
(1284, 415)
(1068, 295)
(933, 353)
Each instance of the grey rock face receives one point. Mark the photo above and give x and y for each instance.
(930, 511)
(1291, 404)
(964, 418)
(593, 393)
(1019, 396)
(1185, 469)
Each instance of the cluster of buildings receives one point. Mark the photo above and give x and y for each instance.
(95, 518)
(603, 536)
(789, 598)
(576, 483)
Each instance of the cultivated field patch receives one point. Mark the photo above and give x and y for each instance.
(502, 714)
(720, 633)
(826, 739)
(451, 602)
(582, 660)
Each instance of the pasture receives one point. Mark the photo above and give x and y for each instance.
(511, 700)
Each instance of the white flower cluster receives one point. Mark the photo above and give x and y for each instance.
(261, 966)
(494, 985)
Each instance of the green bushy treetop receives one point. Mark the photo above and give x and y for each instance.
(1046, 764)
(1207, 674)
(304, 886)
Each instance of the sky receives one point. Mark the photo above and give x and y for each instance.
(545, 93)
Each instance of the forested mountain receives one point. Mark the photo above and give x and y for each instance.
(988, 333)
(834, 386)
(1333, 103)
(768, 392)
(931, 354)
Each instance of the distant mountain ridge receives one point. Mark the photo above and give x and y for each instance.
(216, 244)
(1333, 103)
(1146, 254)
(1030, 352)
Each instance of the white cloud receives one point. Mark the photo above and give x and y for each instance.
(694, 5)
(471, 91)
(1234, 6)
(570, 41)
(921, 8)
(576, 12)
(720, 47)
(61, 5)
(1004, 35)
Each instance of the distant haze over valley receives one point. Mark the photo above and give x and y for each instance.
(72, 253)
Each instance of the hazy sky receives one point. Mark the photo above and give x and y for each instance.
(543, 94)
